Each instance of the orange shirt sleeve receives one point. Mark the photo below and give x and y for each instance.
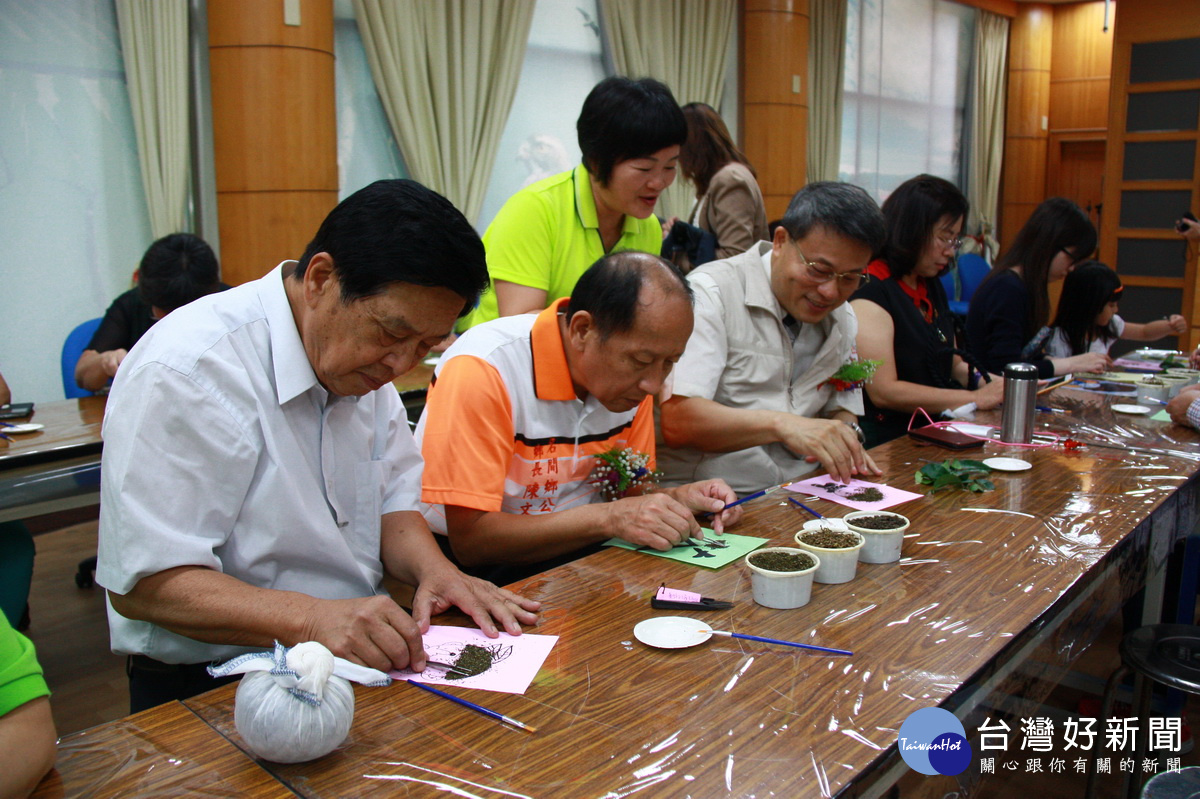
(468, 437)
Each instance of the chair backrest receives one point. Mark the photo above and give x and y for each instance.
(972, 269)
(949, 280)
(73, 347)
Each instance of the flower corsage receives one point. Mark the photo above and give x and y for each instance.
(852, 374)
(619, 471)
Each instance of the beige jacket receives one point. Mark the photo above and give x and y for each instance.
(732, 210)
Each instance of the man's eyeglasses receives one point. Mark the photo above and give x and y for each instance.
(820, 274)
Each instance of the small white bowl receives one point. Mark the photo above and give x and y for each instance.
(882, 546)
(782, 590)
(837, 565)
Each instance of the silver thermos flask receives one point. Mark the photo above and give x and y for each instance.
(1020, 394)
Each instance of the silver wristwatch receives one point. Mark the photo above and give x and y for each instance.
(858, 431)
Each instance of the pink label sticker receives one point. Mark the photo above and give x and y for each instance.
(675, 595)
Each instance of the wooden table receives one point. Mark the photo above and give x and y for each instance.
(56, 468)
(165, 751)
(996, 595)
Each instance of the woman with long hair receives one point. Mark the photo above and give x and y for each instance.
(729, 203)
(904, 320)
(1013, 302)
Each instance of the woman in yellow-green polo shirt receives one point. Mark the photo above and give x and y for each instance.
(547, 234)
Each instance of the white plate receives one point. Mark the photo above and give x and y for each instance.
(29, 427)
(1137, 409)
(672, 632)
(1008, 464)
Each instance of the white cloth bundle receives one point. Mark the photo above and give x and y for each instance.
(295, 704)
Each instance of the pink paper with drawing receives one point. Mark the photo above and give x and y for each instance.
(850, 494)
(515, 659)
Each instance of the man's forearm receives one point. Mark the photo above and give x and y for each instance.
(480, 537)
(216, 608)
(89, 371)
(708, 426)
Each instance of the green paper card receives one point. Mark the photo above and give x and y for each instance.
(704, 555)
(1161, 416)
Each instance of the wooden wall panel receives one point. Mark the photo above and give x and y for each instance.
(260, 118)
(1136, 23)
(778, 137)
(260, 22)
(774, 58)
(774, 96)
(260, 229)
(1080, 68)
(1023, 180)
(274, 130)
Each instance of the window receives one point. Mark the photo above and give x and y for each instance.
(905, 92)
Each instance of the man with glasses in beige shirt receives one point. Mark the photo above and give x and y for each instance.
(752, 401)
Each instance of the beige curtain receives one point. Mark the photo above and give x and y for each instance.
(987, 126)
(826, 70)
(154, 45)
(446, 71)
(683, 43)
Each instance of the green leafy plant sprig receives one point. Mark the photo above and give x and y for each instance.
(954, 473)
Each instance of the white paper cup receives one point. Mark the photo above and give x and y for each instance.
(837, 565)
(1159, 392)
(1193, 375)
(1175, 383)
(882, 546)
(782, 590)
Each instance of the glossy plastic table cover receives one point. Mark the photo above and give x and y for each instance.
(995, 596)
(167, 751)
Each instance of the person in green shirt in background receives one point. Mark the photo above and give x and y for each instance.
(547, 234)
(27, 737)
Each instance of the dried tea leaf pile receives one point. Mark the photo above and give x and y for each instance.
(883, 521)
(827, 539)
(782, 561)
(473, 660)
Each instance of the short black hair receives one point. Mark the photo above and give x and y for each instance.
(840, 208)
(398, 231)
(911, 213)
(1086, 290)
(624, 119)
(177, 269)
(610, 289)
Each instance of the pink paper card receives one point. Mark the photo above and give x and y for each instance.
(677, 595)
(826, 487)
(515, 659)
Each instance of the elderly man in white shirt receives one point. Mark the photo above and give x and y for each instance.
(259, 476)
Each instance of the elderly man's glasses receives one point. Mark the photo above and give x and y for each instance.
(821, 274)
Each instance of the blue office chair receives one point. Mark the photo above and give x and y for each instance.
(960, 283)
(73, 347)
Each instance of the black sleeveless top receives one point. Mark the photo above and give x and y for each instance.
(923, 352)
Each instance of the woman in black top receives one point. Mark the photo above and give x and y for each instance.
(903, 318)
(1013, 301)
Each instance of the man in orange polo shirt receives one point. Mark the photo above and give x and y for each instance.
(520, 407)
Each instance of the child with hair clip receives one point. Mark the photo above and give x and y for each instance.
(1087, 319)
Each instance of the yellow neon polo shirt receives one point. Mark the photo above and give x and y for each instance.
(547, 234)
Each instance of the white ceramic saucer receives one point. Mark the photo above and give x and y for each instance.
(672, 632)
(1134, 409)
(28, 427)
(1008, 464)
